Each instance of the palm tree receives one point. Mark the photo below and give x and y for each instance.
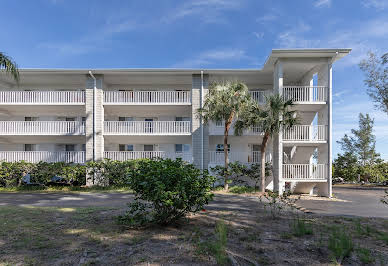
(9, 66)
(224, 102)
(275, 115)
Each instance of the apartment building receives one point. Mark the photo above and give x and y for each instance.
(79, 115)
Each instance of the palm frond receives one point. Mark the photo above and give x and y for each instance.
(9, 66)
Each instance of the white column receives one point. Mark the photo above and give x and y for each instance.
(200, 143)
(98, 151)
(325, 117)
(278, 184)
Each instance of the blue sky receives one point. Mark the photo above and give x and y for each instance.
(202, 33)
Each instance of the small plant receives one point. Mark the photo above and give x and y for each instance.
(301, 228)
(385, 197)
(340, 244)
(217, 247)
(364, 255)
(276, 204)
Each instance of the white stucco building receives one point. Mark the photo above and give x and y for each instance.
(75, 115)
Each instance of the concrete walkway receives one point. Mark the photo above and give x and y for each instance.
(353, 201)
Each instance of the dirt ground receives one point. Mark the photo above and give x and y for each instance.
(36, 235)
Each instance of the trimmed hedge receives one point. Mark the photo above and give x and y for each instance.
(42, 172)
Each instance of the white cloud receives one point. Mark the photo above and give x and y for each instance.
(213, 56)
(377, 4)
(206, 11)
(259, 35)
(322, 3)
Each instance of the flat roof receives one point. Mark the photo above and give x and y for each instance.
(335, 53)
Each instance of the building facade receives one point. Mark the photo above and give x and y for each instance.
(123, 114)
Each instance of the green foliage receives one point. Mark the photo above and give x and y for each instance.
(242, 189)
(301, 228)
(224, 102)
(376, 72)
(271, 118)
(113, 173)
(217, 247)
(12, 173)
(9, 66)
(166, 190)
(346, 167)
(340, 244)
(364, 255)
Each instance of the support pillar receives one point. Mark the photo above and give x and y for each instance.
(94, 151)
(278, 183)
(200, 132)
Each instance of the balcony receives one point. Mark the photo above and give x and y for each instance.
(218, 128)
(306, 133)
(218, 157)
(133, 155)
(42, 128)
(305, 94)
(147, 128)
(42, 97)
(147, 97)
(305, 172)
(43, 156)
(259, 96)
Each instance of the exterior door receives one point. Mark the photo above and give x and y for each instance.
(148, 125)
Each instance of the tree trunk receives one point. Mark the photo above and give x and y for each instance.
(262, 151)
(226, 159)
(228, 123)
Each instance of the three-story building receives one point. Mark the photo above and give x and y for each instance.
(78, 115)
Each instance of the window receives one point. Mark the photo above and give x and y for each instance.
(70, 119)
(256, 147)
(29, 118)
(69, 147)
(125, 147)
(29, 147)
(182, 147)
(220, 147)
(148, 147)
(179, 118)
(83, 147)
(125, 118)
(83, 119)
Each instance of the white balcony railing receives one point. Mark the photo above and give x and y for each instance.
(218, 128)
(43, 156)
(305, 171)
(147, 127)
(42, 128)
(305, 133)
(259, 96)
(305, 94)
(132, 155)
(147, 97)
(218, 157)
(42, 97)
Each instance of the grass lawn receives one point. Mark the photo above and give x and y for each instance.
(233, 228)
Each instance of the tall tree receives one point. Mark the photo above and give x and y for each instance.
(376, 72)
(224, 102)
(9, 66)
(275, 115)
(363, 143)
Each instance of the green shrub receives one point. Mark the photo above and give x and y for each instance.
(301, 228)
(166, 190)
(42, 172)
(340, 244)
(113, 173)
(364, 255)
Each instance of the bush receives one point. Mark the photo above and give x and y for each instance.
(340, 244)
(12, 173)
(166, 190)
(113, 173)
